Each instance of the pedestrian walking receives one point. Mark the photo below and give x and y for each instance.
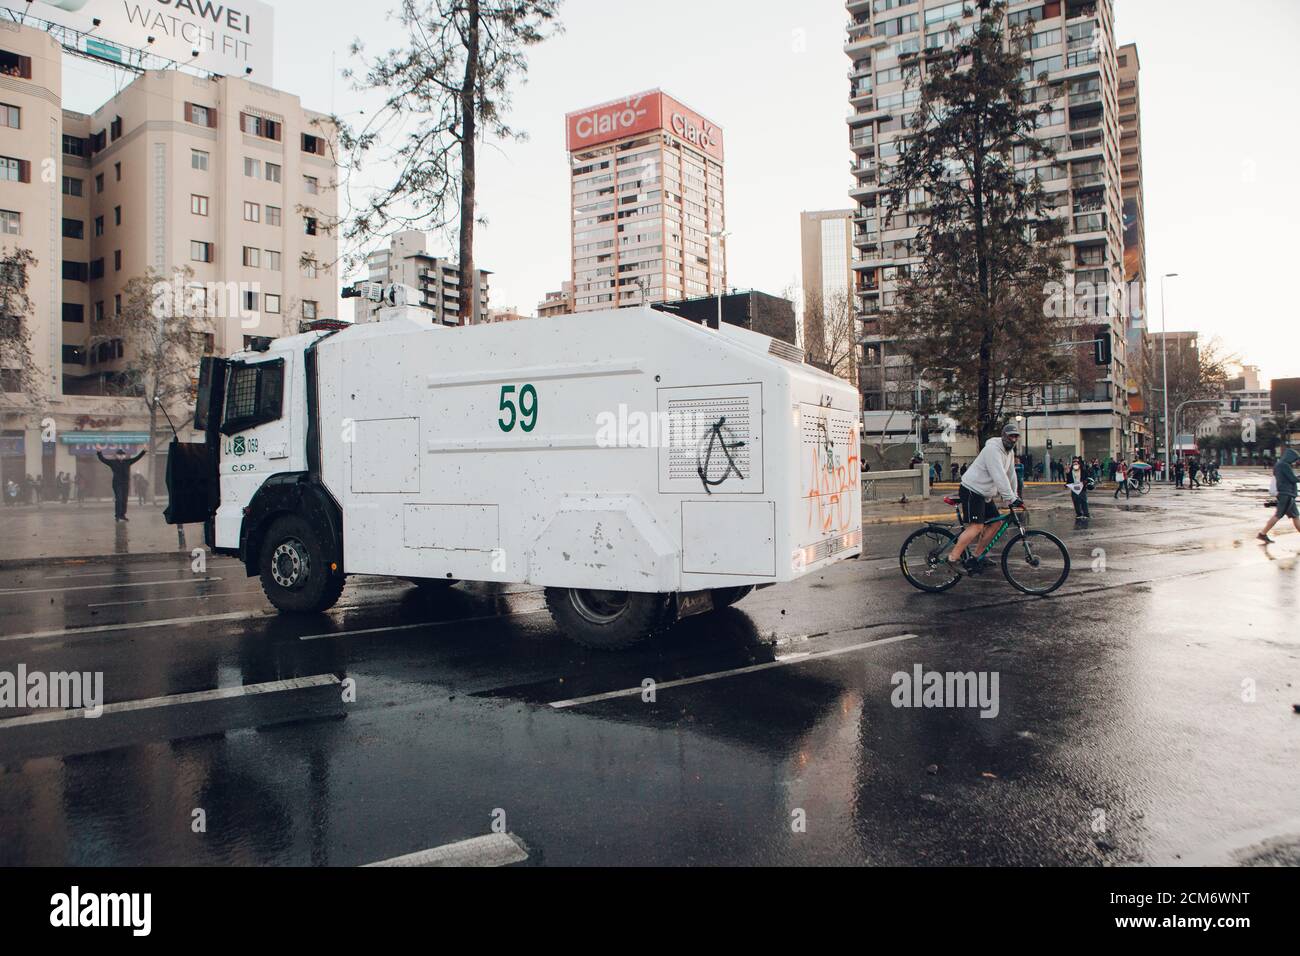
(1178, 473)
(1077, 481)
(1285, 476)
(11, 492)
(80, 484)
(65, 487)
(952, 470)
(1193, 467)
(141, 488)
(1121, 477)
(121, 469)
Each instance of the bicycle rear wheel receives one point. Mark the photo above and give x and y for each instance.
(1036, 562)
(923, 559)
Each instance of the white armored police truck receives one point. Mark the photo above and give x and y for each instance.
(636, 465)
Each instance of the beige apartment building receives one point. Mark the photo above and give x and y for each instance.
(408, 260)
(235, 180)
(647, 200)
(826, 255)
(560, 302)
(1073, 42)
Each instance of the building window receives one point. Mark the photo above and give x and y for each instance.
(252, 167)
(252, 257)
(117, 260)
(74, 229)
(117, 304)
(260, 126)
(200, 251)
(312, 184)
(308, 269)
(71, 186)
(313, 144)
(115, 128)
(272, 260)
(273, 215)
(14, 64)
(272, 303)
(74, 355)
(200, 115)
(14, 170)
(75, 271)
(199, 205)
(99, 225)
(117, 215)
(198, 160)
(97, 269)
(11, 116)
(74, 145)
(11, 223)
(273, 172)
(309, 309)
(309, 225)
(252, 212)
(99, 182)
(74, 312)
(250, 301)
(98, 311)
(117, 172)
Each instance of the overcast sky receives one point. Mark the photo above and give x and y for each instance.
(1219, 92)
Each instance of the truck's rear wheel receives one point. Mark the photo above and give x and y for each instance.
(295, 568)
(606, 620)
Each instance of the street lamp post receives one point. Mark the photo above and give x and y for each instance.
(720, 235)
(1164, 374)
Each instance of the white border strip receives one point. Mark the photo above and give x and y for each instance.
(718, 675)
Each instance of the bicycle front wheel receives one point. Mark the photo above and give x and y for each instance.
(1144, 487)
(1036, 562)
(923, 559)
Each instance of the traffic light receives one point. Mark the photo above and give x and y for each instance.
(1101, 347)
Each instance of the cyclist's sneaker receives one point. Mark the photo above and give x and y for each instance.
(1263, 537)
(955, 567)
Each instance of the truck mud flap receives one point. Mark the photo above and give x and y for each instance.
(690, 603)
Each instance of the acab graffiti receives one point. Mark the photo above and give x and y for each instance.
(834, 478)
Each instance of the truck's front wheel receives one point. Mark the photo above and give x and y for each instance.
(606, 620)
(295, 568)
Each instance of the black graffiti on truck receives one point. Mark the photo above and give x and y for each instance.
(704, 457)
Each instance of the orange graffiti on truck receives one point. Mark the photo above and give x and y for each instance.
(834, 481)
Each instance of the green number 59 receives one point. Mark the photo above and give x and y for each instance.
(525, 415)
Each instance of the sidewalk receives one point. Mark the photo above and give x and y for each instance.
(52, 532)
(1043, 495)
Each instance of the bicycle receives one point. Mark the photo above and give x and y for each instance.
(1033, 562)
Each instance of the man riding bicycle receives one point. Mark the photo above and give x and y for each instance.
(992, 472)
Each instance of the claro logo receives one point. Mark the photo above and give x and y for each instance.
(702, 136)
(611, 121)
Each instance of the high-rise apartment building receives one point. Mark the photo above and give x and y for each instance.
(1072, 41)
(647, 201)
(1135, 254)
(826, 254)
(409, 261)
(234, 180)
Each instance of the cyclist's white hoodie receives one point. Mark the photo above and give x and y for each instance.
(993, 472)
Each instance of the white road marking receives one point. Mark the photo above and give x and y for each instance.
(175, 700)
(495, 849)
(137, 625)
(800, 658)
(105, 574)
(412, 627)
(104, 587)
(183, 597)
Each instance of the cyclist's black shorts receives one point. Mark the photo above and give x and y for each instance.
(975, 508)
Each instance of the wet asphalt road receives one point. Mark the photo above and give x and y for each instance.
(1144, 715)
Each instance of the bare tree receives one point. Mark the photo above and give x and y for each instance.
(22, 389)
(830, 333)
(163, 327)
(1195, 374)
(446, 89)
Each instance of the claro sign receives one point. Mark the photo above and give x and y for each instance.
(229, 38)
(642, 113)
